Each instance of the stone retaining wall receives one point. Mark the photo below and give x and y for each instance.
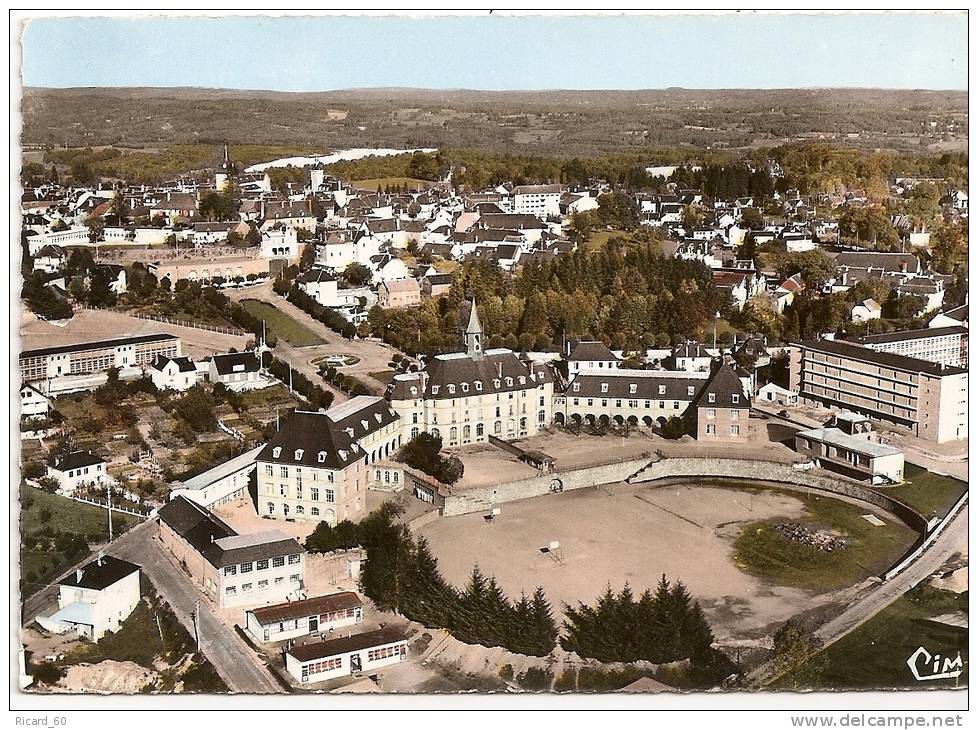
(781, 473)
(484, 498)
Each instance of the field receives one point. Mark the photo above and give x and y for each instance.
(929, 493)
(599, 239)
(48, 522)
(875, 654)
(610, 535)
(295, 333)
(767, 554)
(409, 183)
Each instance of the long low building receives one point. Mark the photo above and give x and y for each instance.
(99, 356)
(221, 484)
(854, 456)
(926, 399)
(346, 655)
(301, 618)
(942, 345)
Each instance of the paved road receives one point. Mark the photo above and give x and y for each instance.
(374, 356)
(232, 658)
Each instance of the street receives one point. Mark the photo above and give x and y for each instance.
(374, 356)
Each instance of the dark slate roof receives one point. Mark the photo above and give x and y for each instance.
(76, 460)
(100, 573)
(184, 364)
(591, 351)
(921, 334)
(308, 607)
(439, 279)
(690, 349)
(227, 364)
(958, 313)
(458, 368)
(195, 524)
(237, 549)
(877, 260)
(513, 221)
(315, 276)
(357, 642)
(723, 384)
(97, 345)
(884, 359)
(647, 384)
(304, 435)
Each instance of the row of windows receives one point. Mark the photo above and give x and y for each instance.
(386, 652)
(277, 562)
(631, 403)
(711, 429)
(633, 389)
(284, 470)
(326, 665)
(299, 509)
(734, 414)
(262, 585)
(329, 495)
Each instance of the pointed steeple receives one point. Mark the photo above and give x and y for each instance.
(473, 333)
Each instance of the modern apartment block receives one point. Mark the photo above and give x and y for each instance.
(943, 345)
(927, 399)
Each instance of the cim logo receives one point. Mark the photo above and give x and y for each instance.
(926, 667)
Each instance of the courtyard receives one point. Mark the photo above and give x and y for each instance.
(620, 533)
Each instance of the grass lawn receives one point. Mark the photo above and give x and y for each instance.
(874, 656)
(45, 528)
(764, 552)
(600, 238)
(411, 183)
(929, 493)
(296, 334)
(384, 376)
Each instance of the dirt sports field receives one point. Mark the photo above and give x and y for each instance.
(620, 533)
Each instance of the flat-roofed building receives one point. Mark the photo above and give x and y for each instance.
(943, 345)
(301, 618)
(99, 356)
(346, 655)
(926, 399)
(856, 456)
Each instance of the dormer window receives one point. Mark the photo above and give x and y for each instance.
(662, 390)
(434, 389)
(377, 416)
(522, 380)
(509, 382)
(478, 385)
(735, 398)
(496, 382)
(540, 374)
(349, 432)
(322, 457)
(577, 388)
(298, 454)
(343, 455)
(451, 390)
(414, 391)
(604, 387)
(276, 452)
(690, 390)
(465, 387)
(632, 388)
(712, 397)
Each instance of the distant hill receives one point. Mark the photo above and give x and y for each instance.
(532, 122)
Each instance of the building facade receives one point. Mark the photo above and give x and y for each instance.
(942, 345)
(923, 398)
(301, 618)
(346, 655)
(86, 358)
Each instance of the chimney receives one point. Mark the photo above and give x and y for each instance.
(78, 575)
(903, 266)
(499, 368)
(101, 556)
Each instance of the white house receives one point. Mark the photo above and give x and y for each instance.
(301, 618)
(33, 403)
(346, 655)
(236, 370)
(279, 242)
(221, 484)
(866, 310)
(50, 259)
(775, 394)
(76, 469)
(173, 373)
(95, 599)
(543, 201)
(590, 355)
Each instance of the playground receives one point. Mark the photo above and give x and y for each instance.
(577, 543)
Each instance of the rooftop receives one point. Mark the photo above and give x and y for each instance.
(836, 437)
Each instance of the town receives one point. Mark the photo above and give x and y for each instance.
(434, 421)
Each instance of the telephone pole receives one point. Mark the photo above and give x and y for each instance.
(108, 506)
(196, 618)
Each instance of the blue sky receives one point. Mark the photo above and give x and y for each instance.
(614, 52)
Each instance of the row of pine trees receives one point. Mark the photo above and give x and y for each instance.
(665, 625)
(401, 574)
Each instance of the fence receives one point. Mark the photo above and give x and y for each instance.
(103, 505)
(196, 325)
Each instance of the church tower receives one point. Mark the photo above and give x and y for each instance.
(223, 175)
(473, 334)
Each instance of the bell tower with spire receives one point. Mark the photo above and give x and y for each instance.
(473, 334)
(223, 175)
